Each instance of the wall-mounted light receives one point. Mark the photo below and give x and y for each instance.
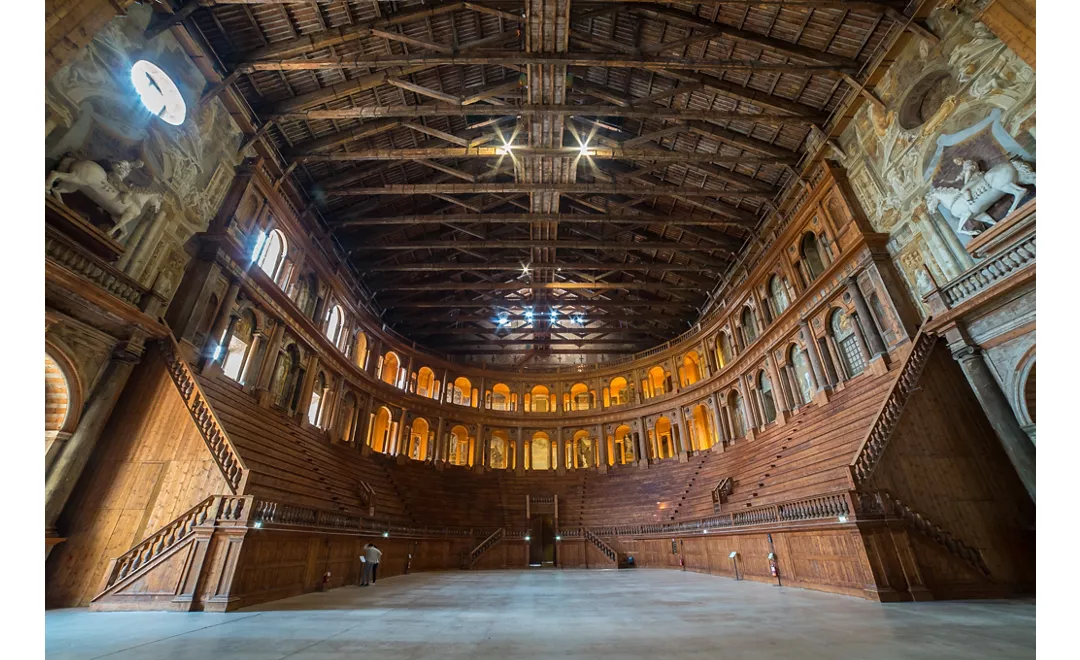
(528, 538)
(558, 538)
(386, 535)
(843, 519)
(258, 524)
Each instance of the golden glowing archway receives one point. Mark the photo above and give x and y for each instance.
(704, 429)
(500, 456)
(418, 439)
(500, 397)
(460, 446)
(390, 365)
(379, 438)
(618, 392)
(665, 441)
(425, 383)
(540, 451)
(621, 446)
(691, 368)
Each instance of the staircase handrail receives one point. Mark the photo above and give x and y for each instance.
(599, 543)
(213, 433)
(888, 416)
(720, 492)
(486, 545)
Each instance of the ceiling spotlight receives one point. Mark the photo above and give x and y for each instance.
(585, 149)
(503, 319)
(506, 148)
(578, 319)
(553, 315)
(528, 315)
(525, 269)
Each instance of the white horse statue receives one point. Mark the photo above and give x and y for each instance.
(981, 190)
(124, 203)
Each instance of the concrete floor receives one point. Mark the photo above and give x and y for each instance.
(551, 613)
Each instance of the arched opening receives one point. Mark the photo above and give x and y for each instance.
(238, 352)
(704, 429)
(665, 443)
(777, 295)
(460, 446)
(425, 382)
(57, 398)
(315, 405)
(847, 344)
(206, 322)
(540, 452)
(655, 382)
(418, 439)
(540, 398)
(691, 368)
(800, 372)
(379, 438)
(391, 364)
(581, 451)
(738, 415)
(307, 292)
(271, 254)
(749, 324)
(1029, 394)
(622, 447)
(500, 397)
(462, 392)
(500, 450)
(580, 398)
(726, 354)
(810, 249)
(348, 417)
(361, 350)
(768, 402)
(334, 323)
(285, 372)
(618, 391)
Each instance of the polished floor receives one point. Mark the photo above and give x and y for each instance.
(556, 614)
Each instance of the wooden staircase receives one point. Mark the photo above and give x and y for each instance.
(720, 492)
(487, 544)
(600, 545)
(690, 485)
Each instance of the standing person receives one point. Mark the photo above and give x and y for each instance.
(373, 557)
(365, 566)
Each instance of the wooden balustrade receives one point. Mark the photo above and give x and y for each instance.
(720, 493)
(599, 543)
(872, 448)
(68, 254)
(987, 273)
(487, 544)
(223, 451)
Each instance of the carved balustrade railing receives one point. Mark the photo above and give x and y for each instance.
(68, 254)
(986, 273)
(906, 382)
(720, 493)
(487, 544)
(225, 455)
(599, 543)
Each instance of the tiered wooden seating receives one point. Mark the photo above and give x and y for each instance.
(807, 456)
(298, 465)
(635, 495)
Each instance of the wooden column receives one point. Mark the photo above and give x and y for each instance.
(560, 452)
(266, 367)
(211, 352)
(865, 320)
(519, 451)
(258, 342)
(304, 401)
(817, 369)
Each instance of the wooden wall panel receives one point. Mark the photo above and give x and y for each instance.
(151, 465)
(945, 461)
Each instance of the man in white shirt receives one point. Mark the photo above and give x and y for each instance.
(368, 561)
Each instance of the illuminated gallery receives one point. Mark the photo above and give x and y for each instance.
(590, 328)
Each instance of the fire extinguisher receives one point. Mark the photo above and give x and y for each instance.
(325, 582)
(772, 567)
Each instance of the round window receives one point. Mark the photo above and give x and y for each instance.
(158, 92)
(924, 99)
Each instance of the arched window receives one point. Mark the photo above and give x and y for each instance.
(500, 397)
(315, 406)
(360, 352)
(348, 415)
(811, 254)
(580, 398)
(847, 344)
(284, 379)
(726, 353)
(738, 414)
(460, 446)
(749, 324)
(800, 370)
(425, 382)
(619, 391)
(665, 443)
(541, 402)
(238, 352)
(461, 393)
(540, 451)
(388, 373)
(62, 401)
(691, 368)
(777, 295)
(655, 382)
(333, 324)
(703, 428)
(418, 439)
(768, 403)
(379, 438)
(580, 451)
(271, 254)
(621, 450)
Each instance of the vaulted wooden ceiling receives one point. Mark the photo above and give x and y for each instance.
(605, 159)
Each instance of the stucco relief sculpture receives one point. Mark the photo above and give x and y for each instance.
(124, 202)
(980, 190)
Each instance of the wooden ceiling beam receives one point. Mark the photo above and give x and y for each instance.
(593, 152)
(647, 190)
(537, 286)
(561, 304)
(453, 266)
(535, 243)
(299, 110)
(529, 218)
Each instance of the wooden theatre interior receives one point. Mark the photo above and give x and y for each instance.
(723, 286)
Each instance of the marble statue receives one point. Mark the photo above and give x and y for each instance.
(124, 202)
(980, 190)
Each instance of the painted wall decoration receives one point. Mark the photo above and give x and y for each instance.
(969, 99)
(93, 112)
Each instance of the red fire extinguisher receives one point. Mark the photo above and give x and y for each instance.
(325, 582)
(772, 568)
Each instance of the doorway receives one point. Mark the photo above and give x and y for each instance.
(542, 540)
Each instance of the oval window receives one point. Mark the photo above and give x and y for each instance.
(158, 92)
